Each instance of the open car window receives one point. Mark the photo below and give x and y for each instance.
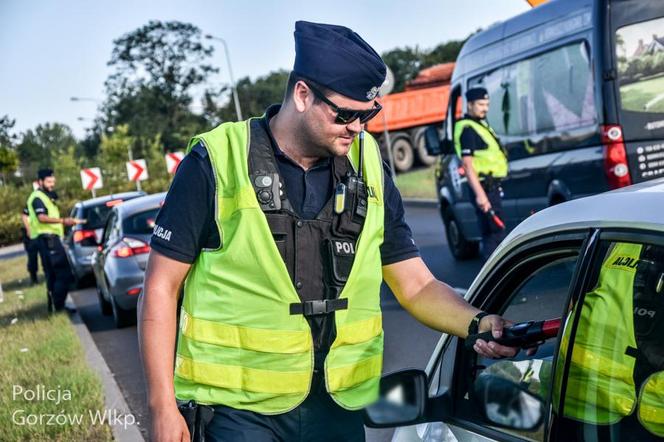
(512, 396)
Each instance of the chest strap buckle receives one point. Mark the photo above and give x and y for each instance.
(318, 307)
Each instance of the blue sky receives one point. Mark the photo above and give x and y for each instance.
(52, 50)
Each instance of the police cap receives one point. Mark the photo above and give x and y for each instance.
(476, 93)
(339, 59)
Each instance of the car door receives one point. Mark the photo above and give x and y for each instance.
(610, 367)
(532, 283)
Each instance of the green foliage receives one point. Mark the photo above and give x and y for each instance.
(255, 97)
(405, 64)
(113, 155)
(643, 66)
(7, 139)
(40, 147)
(8, 161)
(443, 53)
(156, 68)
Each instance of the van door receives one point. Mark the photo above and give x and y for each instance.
(637, 39)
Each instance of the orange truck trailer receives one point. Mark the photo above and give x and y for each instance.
(406, 115)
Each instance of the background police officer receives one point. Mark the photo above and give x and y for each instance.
(485, 164)
(235, 353)
(47, 228)
(30, 246)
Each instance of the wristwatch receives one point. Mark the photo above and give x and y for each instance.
(473, 327)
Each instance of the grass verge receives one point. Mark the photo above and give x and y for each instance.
(47, 390)
(419, 183)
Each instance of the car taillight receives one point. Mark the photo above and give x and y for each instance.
(87, 236)
(130, 247)
(615, 157)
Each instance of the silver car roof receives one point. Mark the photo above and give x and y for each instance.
(640, 207)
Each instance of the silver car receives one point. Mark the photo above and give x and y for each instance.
(593, 270)
(82, 239)
(120, 260)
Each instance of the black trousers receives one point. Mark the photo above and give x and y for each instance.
(318, 419)
(492, 235)
(32, 249)
(56, 269)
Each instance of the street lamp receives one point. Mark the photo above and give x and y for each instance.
(94, 100)
(238, 111)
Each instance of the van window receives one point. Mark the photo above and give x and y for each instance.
(640, 55)
(547, 93)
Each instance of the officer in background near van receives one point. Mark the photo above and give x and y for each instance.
(485, 163)
(47, 228)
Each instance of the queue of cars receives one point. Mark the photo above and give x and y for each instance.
(82, 240)
(113, 245)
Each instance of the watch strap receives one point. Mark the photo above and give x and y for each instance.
(473, 327)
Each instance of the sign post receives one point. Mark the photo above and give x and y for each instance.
(173, 160)
(91, 179)
(137, 171)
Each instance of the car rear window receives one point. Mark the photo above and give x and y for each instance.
(95, 216)
(140, 223)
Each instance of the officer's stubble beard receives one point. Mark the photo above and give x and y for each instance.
(47, 184)
(323, 137)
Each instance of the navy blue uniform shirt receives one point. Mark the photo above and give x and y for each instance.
(470, 139)
(188, 210)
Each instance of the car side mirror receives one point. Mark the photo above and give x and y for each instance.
(507, 404)
(401, 400)
(435, 144)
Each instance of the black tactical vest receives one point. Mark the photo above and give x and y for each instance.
(318, 253)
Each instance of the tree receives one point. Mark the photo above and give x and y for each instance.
(40, 146)
(156, 68)
(255, 97)
(7, 139)
(443, 53)
(8, 162)
(404, 63)
(113, 154)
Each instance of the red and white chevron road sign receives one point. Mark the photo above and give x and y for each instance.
(137, 170)
(91, 178)
(173, 161)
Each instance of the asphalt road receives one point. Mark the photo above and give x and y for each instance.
(407, 342)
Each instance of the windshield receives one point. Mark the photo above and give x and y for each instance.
(95, 216)
(640, 55)
(141, 223)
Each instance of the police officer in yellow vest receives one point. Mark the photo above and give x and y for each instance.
(47, 228)
(485, 165)
(616, 376)
(280, 334)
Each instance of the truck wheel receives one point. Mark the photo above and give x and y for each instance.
(402, 151)
(460, 247)
(422, 156)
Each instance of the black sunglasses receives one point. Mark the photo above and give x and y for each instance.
(345, 115)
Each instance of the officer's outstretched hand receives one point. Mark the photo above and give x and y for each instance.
(168, 425)
(492, 349)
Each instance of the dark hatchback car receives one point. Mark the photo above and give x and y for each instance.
(120, 259)
(81, 241)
